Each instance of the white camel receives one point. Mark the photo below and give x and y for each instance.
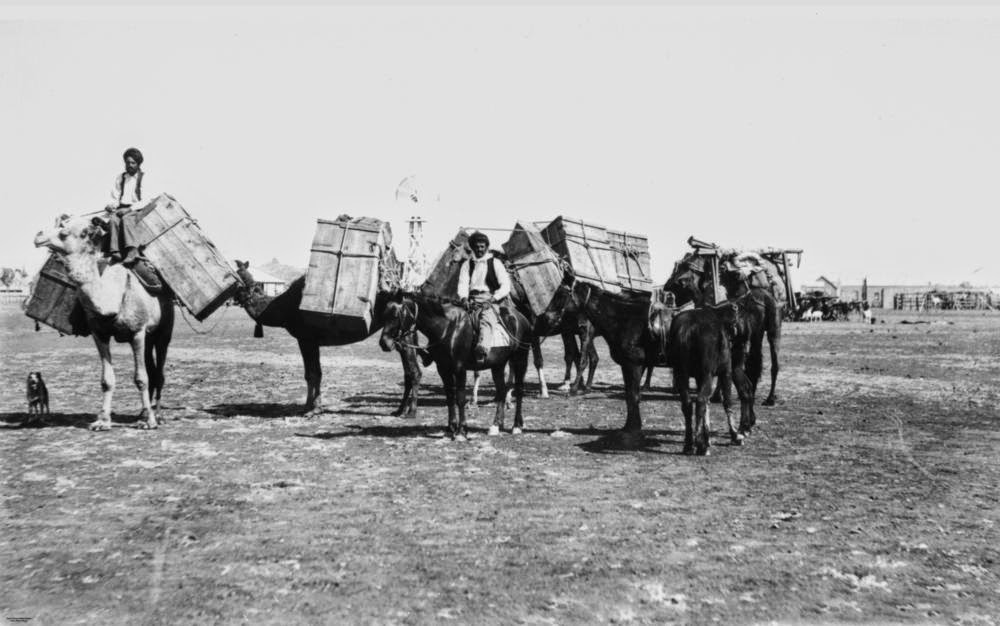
(117, 306)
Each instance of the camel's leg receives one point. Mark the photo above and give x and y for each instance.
(411, 382)
(314, 376)
(474, 401)
(518, 367)
(107, 383)
(500, 414)
(632, 375)
(160, 340)
(142, 380)
(774, 342)
(684, 394)
(726, 388)
(536, 353)
(571, 356)
(702, 424)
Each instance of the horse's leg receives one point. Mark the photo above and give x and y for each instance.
(649, 379)
(411, 382)
(702, 422)
(571, 356)
(684, 395)
(774, 342)
(536, 353)
(632, 374)
(507, 402)
(107, 383)
(518, 367)
(460, 381)
(448, 380)
(500, 413)
(142, 379)
(744, 388)
(314, 376)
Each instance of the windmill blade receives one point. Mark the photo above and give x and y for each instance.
(407, 188)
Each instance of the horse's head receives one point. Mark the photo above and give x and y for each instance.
(73, 235)
(685, 281)
(398, 319)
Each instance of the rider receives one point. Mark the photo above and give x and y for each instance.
(126, 194)
(483, 283)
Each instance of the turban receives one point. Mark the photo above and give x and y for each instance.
(478, 236)
(134, 153)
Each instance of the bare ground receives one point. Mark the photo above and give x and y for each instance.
(869, 494)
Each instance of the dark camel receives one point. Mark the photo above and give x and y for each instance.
(283, 311)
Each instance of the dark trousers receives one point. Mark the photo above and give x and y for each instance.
(122, 231)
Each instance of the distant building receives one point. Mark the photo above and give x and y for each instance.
(915, 297)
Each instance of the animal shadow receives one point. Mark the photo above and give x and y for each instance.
(257, 409)
(19, 420)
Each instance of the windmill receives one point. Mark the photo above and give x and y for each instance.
(415, 268)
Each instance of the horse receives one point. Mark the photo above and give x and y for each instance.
(283, 311)
(116, 306)
(691, 282)
(451, 333)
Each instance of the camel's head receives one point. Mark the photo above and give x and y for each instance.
(73, 235)
(250, 286)
(685, 282)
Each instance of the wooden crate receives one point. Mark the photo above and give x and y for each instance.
(536, 265)
(632, 260)
(586, 248)
(54, 301)
(189, 262)
(343, 275)
(442, 279)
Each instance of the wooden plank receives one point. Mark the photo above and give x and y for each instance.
(189, 262)
(54, 297)
(585, 247)
(343, 276)
(632, 260)
(442, 279)
(535, 264)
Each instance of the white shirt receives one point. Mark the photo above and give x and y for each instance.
(478, 280)
(127, 194)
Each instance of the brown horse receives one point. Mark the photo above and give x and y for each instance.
(451, 335)
(116, 306)
(692, 282)
(283, 311)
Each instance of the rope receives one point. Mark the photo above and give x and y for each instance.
(202, 332)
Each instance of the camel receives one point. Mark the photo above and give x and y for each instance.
(283, 311)
(116, 306)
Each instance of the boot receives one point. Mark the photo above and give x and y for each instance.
(131, 256)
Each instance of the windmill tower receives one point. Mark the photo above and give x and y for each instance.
(415, 268)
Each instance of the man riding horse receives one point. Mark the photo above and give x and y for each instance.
(484, 289)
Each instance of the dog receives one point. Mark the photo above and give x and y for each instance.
(38, 394)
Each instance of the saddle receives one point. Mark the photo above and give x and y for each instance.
(660, 317)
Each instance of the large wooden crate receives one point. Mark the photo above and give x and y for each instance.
(343, 276)
(442, 279)
(632, 260)
(536, 265)
(54, 302)
(586, 248)
(188, 261)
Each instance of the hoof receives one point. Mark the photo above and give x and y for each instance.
(100, 425)
(704, 452)
(737, 440)
(459, 437)
(689, 450)
(494, 431)
(147, 426)
(769, 402)
(396, 413)
(544, 395)
(516, 431)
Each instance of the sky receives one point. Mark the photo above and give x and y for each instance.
(866, 136)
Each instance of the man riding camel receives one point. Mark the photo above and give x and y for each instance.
(127, 193)
(483, 284)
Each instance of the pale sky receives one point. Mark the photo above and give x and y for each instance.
(866, 136)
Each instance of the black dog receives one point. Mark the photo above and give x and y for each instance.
(38, 395)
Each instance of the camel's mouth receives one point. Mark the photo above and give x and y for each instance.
(44, 239)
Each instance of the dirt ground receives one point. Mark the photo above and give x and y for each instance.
(869, 494)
